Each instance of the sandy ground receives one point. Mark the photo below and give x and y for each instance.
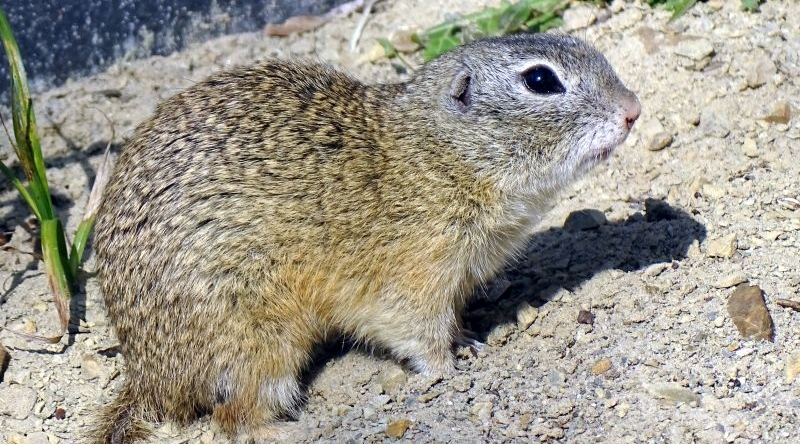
(662, 362)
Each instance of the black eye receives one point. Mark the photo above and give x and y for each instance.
(542, 80)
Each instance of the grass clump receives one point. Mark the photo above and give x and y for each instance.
(61, 261)
(510, 18)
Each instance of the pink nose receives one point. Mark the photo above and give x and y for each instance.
(632, 109)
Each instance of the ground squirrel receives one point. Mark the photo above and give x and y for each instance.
(268, 207)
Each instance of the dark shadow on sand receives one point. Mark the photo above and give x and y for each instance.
(560, 258)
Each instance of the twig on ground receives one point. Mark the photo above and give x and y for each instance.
(361, 23)
(794, 305)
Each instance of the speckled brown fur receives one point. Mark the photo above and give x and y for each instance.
(271, 206)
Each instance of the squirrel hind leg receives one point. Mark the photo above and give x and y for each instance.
(251, 398)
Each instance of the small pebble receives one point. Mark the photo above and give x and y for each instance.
(16, 401)
(749, 312)
(656, 269)
(749, 148)
(674, 393)
(37, 438)
(601, 366)
(393, 380)
(90, 367)
(695, 49)
(722, 247)
(483, 410)
(584, 220)
(396, 429)
(585, 317)
(792, 368)
(730, 280)
(759, 72)
(578, 17)
(207, 437)
(781, 113)
(462, 383)
(659, 141)
(526, 315)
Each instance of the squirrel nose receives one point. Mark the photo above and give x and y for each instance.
(632, 109)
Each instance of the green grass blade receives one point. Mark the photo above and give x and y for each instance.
(54, 251)
(79, 244)
(679, 7)
(19, 87)
(26, 196)
(27, 147)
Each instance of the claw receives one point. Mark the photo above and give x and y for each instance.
(468, 339)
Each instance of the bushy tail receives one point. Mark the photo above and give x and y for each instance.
(121, 422)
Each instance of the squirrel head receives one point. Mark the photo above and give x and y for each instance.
(532, 111)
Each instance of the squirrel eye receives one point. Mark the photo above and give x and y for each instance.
(542, 80)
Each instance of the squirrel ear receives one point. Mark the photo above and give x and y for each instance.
(461, 91)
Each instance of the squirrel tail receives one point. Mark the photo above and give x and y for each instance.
(121, 422)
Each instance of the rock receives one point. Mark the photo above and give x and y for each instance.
(483, 410)
(742, 352)
(730, 280)
(694, 49)
(37, 438)
(380, 400)
(374, 53)
(556, 378)
(5, 358)
(696, 53)
(393, 380)
(433, 394)
(724, 247)
(749, 312)
(403, 39)
(713, 191)
(396, 429)
(692, 117)
(207, 437)
(16, 400)
(758, 73)
(526, 315)
(749, 148)
(781, 113)
(90, 367)
(792, 368)
(674, 393)
(601, 366)
(585, 220)
(659, 141)
(500, 334)
(585, 317)
(714, 126)
(656, 269)
(547, 432)
(650, 128)
(25, 325)
(462, 383)
(578, 18)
